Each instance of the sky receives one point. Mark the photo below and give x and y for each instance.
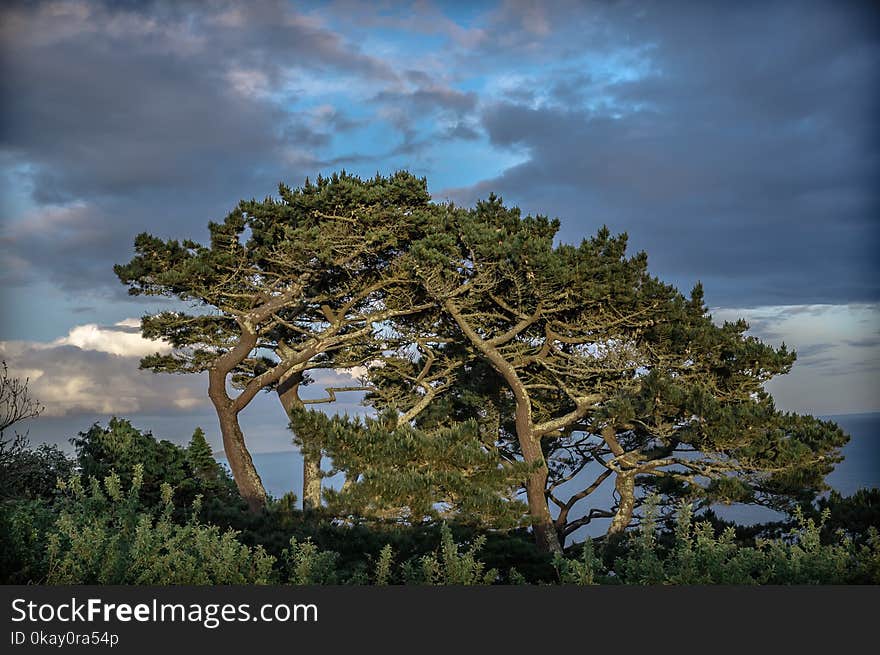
(736, 143)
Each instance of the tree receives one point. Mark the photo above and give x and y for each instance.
(530, 312)
(285, 286)
(580, 359)
(16, 402)
(120, 447)
(201, 459)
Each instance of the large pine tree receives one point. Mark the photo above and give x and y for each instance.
(579, 361)
(285, 285)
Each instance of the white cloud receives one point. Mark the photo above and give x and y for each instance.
(94, 369)
(123, 342)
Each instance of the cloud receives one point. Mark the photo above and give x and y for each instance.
(123, 339)
(838, 354)
(154, 116)
(736, 144)
(866, 342)
(94, 369)
(446, 107)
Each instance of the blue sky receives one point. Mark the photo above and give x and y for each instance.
(735, 142)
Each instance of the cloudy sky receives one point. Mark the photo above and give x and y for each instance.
(737, 143)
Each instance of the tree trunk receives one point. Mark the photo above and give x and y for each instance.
(543, 526)
(288, 394)
(546, 537)
(248, 481)
(625, 485)
(311, 482)
(624, 482)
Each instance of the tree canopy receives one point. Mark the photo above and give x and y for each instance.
(285, 285)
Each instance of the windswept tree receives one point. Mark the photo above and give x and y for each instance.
(284, 286)
(580, 361)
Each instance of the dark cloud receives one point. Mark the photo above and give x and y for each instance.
(736, 143)
(153, 116)
(741, 149)
(812, 351)
(462, 131)
(867, 342)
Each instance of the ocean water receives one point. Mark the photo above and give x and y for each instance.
(282, 472)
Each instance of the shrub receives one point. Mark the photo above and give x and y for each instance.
(106, 536)
(700, 556)
(449, 566)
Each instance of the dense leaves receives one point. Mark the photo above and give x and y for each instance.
(396, 471)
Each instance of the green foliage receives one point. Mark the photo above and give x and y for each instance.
(310, 565)
(854, 515)
(450, 566)
(110, 532)
(399, 471)
(581, 571)
(383, 566)
(697, 555)
(24, 525)
(28, 490)
(192, 471)
(105, 535)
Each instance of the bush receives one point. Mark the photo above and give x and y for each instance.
(24, 525)
(30, 473)
(698, 556)
(449, 566)
(106, 536)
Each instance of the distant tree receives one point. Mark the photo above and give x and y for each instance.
(285, 286)
(120, 447)
(201, 459)
(16, 402)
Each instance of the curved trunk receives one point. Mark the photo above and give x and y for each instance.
(248, 481)
(546, 537)
(543, 526)
(624, 482)
(288, 394)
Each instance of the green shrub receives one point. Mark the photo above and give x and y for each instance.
(310, 565)
(24, 525)
(700, 556)
(449, 566)
(105, 536)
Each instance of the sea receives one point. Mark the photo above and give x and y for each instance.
(281, 473)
